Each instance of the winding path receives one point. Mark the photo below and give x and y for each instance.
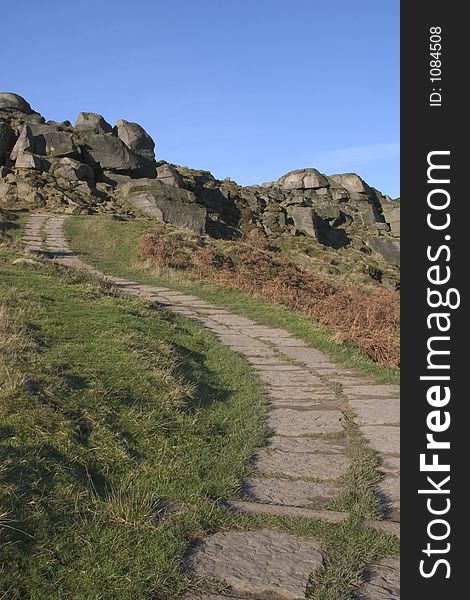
(301, 470)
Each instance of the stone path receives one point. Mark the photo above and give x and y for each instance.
(301, 469)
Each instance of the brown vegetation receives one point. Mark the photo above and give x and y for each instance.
(368, 318)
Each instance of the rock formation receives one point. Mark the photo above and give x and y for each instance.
(92, 167)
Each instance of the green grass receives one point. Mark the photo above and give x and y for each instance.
(12, 223)
(122, 427)
(109, 409)
(112, 245)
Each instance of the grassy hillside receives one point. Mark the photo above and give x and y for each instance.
(113, 246)
(120, 427)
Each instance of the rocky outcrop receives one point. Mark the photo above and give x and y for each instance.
(13, 102)
(94, 167)
(93, 122)
(136, 139)
(164, 202)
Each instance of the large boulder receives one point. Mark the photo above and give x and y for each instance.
(72, 170)
(93, 121)
(304, 219)
(11, 101)
(368, 215)
(388, 248)
(169, 175)
(108, 152)
(24, 143)
(49, 140)
(165, 203)
(136, 139)
(303, 179)
(24, 160)
(350, 182)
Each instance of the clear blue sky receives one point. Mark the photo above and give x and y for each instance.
(248, 89)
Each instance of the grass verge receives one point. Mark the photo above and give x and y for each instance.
(12, 223)
(121, 427)
(113, 246)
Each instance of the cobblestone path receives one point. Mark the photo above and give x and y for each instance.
(301, 469)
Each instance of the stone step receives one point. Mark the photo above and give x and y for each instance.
(383, 438)
(285, 421)
(288, 492)
(257, 564)
(258, 508)
(330, 467)
(383, 411)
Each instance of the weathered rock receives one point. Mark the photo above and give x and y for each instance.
(258, 564)
(349, 181)
(71, 169)
(323, 466)
(286, 492)
(165, 203)
(8, 100)
(329, 212)
(93, 121)
(24, 143)
(388, 247)
(109, 152)
(169, 175)
(48, 140)
(383, 438)
(391, 213)
(368, 216)
(304, 219)
(7, 139)
(136, 139)
(24, 160)
(303, 179)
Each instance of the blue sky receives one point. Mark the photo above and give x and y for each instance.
(248, 89)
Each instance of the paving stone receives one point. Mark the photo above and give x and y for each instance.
(270, 363)
(204, 596)
(291, 378)
(233, 320)
(383, 438)
(285, 421)
(371, 391)
(254, 351)
(308, 356)
(382, 581)
(322, 466)
(258, 563)
(347, 380)
(300, 405)
(287, 492)
(388, 492)
(301, 393)
(330, 516)
(283, 342)
(390, 465)
(305, 445)
(241, 341)
(376, 412)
